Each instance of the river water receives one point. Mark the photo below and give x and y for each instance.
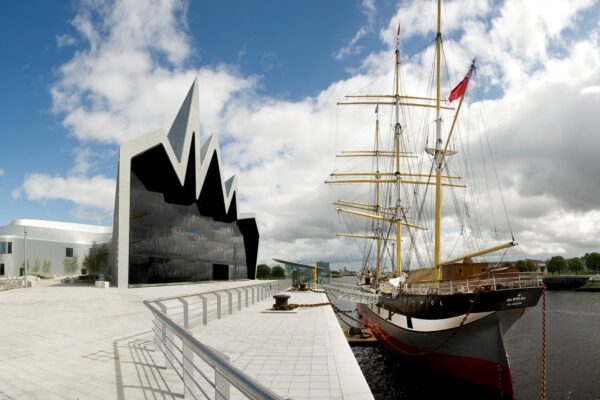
(573, 342)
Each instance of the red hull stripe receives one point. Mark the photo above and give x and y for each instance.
(477, 371)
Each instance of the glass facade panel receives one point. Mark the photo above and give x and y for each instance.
(5, 247)
(171, 242)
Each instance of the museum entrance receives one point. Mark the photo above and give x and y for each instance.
(220, 272)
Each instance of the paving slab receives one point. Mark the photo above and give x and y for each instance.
(302, 355)
(76, 341)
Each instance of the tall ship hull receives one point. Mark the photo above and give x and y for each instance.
(459, 335)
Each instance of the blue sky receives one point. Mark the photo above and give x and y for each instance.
(289, 45)
(80, 77)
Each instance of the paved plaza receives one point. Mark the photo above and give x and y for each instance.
(72, 341)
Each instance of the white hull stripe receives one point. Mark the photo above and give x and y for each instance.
(426, 325)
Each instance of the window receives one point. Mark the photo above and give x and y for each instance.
(5, 247)
(69, 252)
(1, 269)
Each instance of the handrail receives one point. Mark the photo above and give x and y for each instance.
(171, 326)
(218, 291)
(511, 280)
(243, 382)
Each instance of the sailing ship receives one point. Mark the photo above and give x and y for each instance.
(451, 314)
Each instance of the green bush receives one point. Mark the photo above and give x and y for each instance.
(262, 271)
(278, 272)
(96, 262)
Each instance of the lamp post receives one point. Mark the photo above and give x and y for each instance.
(25, 254)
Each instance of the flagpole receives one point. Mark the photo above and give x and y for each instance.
(462, 97)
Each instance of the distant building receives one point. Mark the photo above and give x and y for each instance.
(540, 265)
(49, 243)
(299, 272)
(324, 265)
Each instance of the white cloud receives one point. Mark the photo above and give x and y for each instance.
(132, 77)
(96, 192)
(129, 79)
(418, 18)
(2, 172)
(595, 89)
(352, 47)
(65, 40)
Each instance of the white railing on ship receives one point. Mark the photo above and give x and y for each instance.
(351, 292)
(204, 371)
(495, 282)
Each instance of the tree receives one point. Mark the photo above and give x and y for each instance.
(71, 265)
(525, 266)
(575, 264)
(96, 261)
(46, 266)
(262, 271)
(36, 266)
(278, 272)
(521, 265)
(556, 264)
(592, 261)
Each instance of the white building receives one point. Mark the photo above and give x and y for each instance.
(48, 244)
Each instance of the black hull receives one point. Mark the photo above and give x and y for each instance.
(432, 333)
(436, 306)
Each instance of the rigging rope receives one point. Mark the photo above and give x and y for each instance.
(493, 162)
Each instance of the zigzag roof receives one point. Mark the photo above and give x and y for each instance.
(177, 145)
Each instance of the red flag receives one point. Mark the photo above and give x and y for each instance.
(398, 31)
(461, 88)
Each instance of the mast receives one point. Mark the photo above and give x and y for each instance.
(438, 147)
(397, 133)
(378, 231)
(390, 214)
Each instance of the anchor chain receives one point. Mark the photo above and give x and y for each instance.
(500, 386)
(338, 311)
(543, 393)
(293, 306)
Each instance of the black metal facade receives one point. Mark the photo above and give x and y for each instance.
(175, 237)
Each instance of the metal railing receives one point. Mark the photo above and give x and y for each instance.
(196, 309)
(204, 371)
(351, 293)
(494, 282)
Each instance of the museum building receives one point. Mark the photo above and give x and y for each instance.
(176, 218)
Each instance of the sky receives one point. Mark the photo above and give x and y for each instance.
(81, 77)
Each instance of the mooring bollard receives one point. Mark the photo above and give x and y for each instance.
(281, 302)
